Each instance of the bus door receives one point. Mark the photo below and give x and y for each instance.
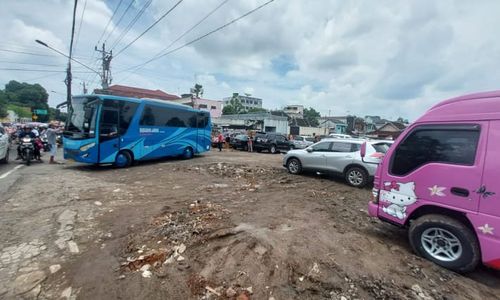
(109, 137)
(201, 138)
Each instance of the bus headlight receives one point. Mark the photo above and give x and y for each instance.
(87, 147)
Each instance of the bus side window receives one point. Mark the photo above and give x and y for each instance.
(127, 112)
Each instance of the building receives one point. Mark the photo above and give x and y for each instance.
(212, 106)
(334, 124)
(134, 92)
(390, 130)
(248, 102)
(259, 121)
(294, 111)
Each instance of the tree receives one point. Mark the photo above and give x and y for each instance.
(33, 96)
(3, 105)
(197, 90)
(402, 121)
(311, 116)
(234, 107)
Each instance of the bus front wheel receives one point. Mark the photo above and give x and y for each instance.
(188, 153)
(123, 159)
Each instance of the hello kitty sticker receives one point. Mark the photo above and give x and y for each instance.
(399, 195)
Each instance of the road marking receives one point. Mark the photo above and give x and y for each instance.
(10, 172)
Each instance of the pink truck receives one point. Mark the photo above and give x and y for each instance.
(441, 180)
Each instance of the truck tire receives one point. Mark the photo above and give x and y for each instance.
(356, 177)
(446, 242)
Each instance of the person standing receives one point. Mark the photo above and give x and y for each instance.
(52, 141)
(250, 142)
(220, 141)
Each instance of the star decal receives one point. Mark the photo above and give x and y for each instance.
(437, 191)
(486, 229)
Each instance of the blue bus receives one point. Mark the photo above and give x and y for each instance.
(104, 129)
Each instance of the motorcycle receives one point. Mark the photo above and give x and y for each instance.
(30, 149)
(45, 143)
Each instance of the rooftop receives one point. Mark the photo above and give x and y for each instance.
(129, 91)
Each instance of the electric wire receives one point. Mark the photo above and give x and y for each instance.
(149, 28)
(206, 34)
(131, 24)
(119, 21)
(80, 25)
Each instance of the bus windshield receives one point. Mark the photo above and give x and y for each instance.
(82, 118)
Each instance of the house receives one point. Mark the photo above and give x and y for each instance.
(334, 124)
(256, 121)
(134, 92)
(294, 111)
(391, 130)
(247, 101)
(212, 106)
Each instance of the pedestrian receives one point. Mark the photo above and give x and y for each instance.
(250, 142)
(52, 141)
(220, 141)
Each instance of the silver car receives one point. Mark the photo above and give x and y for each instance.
(339, 156)
(4, 145)
(301, 142)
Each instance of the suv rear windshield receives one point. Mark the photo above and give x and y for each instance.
(454, 144)
(382, 147)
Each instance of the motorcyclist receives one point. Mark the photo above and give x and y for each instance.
(27, 132)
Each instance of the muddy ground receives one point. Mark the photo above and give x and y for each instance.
(228, 225)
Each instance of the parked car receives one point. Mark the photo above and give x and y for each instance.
(240, 142)
(338, 156)
(272, 142)
(4, 145)
(340, 136)
(440, 180)
(301, 142)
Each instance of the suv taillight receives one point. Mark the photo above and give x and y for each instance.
(375, 195)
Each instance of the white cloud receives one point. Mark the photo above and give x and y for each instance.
(393, 58)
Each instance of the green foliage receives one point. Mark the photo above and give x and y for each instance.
(403, 121)
(30, 96)
(256, 110)
(197, 90)
(312, 116)
(57, 114)
(21, 111)
(234, 107)
(3, 105)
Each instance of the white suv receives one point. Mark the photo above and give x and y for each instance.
(4, 145)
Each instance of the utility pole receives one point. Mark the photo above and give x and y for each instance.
(106, 63)
(69, 77)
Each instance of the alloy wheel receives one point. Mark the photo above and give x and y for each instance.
(441, 244)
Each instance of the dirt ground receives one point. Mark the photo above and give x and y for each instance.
(228, 225)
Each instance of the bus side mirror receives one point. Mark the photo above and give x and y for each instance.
(363, 150)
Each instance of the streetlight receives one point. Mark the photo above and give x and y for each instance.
(68, 69)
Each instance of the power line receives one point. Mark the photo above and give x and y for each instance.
(131, 24)
(180, 37)
(25, 63)
(39, 70)
(27, 53)
(109, 22)
(80, 25)
(149, 28)
(119, 20)
(206, 34)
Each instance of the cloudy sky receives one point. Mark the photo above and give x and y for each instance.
(388, 57)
